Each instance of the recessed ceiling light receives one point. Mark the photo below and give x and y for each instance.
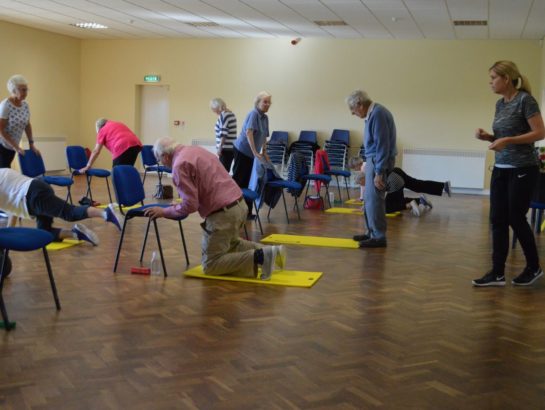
(470, 22)
(90, 25)
(204, 24)
(330, 23)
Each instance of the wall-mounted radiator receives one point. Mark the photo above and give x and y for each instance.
(464, 169)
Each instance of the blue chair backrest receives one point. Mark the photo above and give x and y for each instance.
(31, 165)
(148, 159)
(279, 137)
(308, 136)
(128, 186)
(340, 136)
(75, 154)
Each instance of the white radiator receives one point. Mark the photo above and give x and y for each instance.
(464, 169)
(206, 144)
(53, 152)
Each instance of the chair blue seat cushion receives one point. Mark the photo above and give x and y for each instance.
(280, 183)
(98, 172)
(249, 194)
(59, 181)
(339, 172)
(537, 205)
(139, 212)
(318, 177)
(24, 239)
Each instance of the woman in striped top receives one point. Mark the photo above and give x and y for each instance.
(226, 132)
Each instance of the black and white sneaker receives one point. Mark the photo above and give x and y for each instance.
(527, 277)
(424, 201)
(490, 279)
(83, 233)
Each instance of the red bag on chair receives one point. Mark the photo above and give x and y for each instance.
(313, 202)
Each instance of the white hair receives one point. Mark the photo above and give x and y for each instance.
(164, 145)
(101, 122)
(260, 96)
(356, 98)
(15, 81)
(217, 104)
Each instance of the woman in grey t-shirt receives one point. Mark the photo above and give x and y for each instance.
(14, 120)
(517, 125)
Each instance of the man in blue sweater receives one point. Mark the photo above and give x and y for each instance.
(379, 139)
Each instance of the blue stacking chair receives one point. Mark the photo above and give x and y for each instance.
(151, 165)
(337, 152)
(23, 240)
(342, 136)
(250, 195)
(279, 137)
(324, 179)
(33, 166)
(282, 184)
(308, 136)
(77, 159)
(129, 191)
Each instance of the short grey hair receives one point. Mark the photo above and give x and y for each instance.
(217, 104)
(260, 96)
(101, 122)
(15, 81)
(356, 98)
(164, 145)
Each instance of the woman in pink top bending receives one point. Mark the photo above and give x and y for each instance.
(118, 139)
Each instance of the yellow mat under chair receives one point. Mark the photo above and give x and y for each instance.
(355, 211)
(353, 202)
(311, 241)
(65, 244)
(294, 278)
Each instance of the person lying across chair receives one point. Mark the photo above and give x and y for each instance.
(397, 181)
(33, 198)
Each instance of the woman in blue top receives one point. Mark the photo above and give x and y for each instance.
(250, 143)
(517, 125)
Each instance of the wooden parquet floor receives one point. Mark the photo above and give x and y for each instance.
(395, 328)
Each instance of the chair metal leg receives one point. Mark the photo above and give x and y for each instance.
(183, 242)
(69, 196)
(327, 195)
(269, 215)
(144, 178)
(119, 245)
(297, 207)
(339, 188)
(285, 207)
(109, 193)
(246, 232)
(51, 279)
(346, 186)
(5, 318)
(145, 241)
(89, 194)
(258, 218)
(160, 248)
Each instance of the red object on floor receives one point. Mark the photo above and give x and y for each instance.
(140, 271)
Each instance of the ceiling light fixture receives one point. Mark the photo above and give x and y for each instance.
(470, 22)
(330, 23)
(90, 26)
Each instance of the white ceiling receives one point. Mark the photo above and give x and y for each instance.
(377, 19)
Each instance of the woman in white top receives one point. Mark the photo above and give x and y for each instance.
(14, 120)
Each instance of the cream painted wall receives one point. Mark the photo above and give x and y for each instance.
(51, 64)
(437, 90)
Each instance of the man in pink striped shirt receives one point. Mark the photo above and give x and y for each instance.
(206, 187)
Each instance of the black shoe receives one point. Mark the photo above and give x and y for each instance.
(490, 279)
(363, 237)
(251, 217)
(373, 243)
(527, 277)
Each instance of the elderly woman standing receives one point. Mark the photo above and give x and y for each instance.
(250, 143)
(118, 139)
(226, 132)
(14, 120)
(517, 125)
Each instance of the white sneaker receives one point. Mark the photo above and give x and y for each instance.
(269, 256)
(83, 233)
(415, 210)
(281, 256)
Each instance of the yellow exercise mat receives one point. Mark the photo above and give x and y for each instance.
(125, 208)
(355, 211)
(294, 278)
(66, 243)
(311, 241)
(353, 202)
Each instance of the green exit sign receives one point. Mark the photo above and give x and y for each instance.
(152, 78)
